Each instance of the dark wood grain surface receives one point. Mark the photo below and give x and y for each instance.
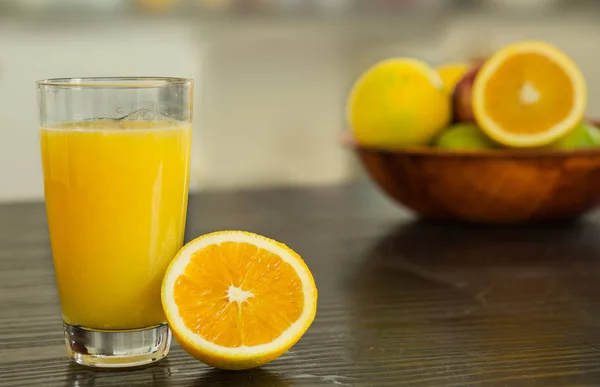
(401, 301)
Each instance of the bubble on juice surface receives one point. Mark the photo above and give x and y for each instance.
(144, 115)
(142, 118)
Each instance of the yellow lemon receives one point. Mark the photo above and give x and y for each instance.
(451, 73)
(398, 103)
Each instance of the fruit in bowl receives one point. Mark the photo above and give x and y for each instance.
(452, 73)
(462, 97)
(584, 135)
(517, 148)
(398, 103)
(529, 94)
(464, 136)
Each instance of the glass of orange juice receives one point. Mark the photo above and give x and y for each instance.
(116, 160)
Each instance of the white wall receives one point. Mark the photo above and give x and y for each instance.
(272, 105)
(32, 51)
(269, 98)
(266, 112)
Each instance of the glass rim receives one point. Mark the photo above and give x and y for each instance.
(115, 82)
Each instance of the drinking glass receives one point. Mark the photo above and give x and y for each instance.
(116, 159)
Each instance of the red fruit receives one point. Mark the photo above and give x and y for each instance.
(461, 97)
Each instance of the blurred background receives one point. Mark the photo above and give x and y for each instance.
(271, 75)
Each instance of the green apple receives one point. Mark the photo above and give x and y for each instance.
(464, 136)
(583, 135)
(594, 133)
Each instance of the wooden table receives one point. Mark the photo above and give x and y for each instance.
(401, 302)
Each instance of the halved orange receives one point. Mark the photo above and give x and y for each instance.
(529, 94)
(236, 300)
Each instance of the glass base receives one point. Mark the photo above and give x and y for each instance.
(117, 349)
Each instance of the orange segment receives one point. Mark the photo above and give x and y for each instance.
(218, 274)
(536, 106)
(236, 300)
(529, 94)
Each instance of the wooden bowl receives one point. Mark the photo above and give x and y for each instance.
(499, 186)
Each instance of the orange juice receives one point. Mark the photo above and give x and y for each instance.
(116, 199)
